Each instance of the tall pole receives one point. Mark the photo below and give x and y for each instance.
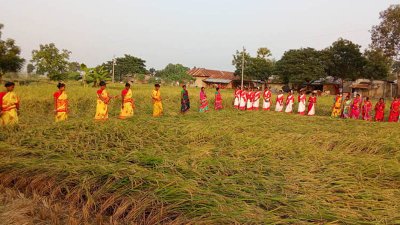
(113, 64)
(242, 67)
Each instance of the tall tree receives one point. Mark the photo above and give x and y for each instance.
(50, 61)
(30, 68)
(259, 68)
(386, 35)
(10, 59)
(238, 62)
(175, 72)
(299, 65)
(377, 65)
(344, 60)
(263, 53)
(126, 65)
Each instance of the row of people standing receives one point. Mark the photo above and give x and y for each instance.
(185, 101)
(249, 99)
(358, 108)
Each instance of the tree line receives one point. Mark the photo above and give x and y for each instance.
(343, 59)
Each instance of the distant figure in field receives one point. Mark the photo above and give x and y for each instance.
(312, 101)
(9, 105)
(203, 101)
(394, 110)
(236, 102)
(127, 102)
(185, 102)
(243, 100)
(156, 97)
(366, 110)
(347, 108)
(60, 103)
(218, 100)
(103, 99)
(302, 103)
(380, 110)
(267, 99)
(250, 97)
(279, 102)
(337, 106)
(355, 107)
(289, 102)
(256, 99)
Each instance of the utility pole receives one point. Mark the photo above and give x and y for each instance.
(242, 66)
(113, 64)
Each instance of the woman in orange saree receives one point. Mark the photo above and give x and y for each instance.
(127, 104)
(9, 106)
(60, 103)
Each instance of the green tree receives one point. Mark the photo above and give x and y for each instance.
(50, 61)
(175, 72)
(299, 65)
(377, 65)
(344, 60)
(386, 35)
(10, 59)
(259, 68)
(263, 53)
(30, 68)
(95, 75)
(126, 65)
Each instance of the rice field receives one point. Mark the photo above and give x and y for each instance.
(222, 167)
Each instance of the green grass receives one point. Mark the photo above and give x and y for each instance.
(217, 168)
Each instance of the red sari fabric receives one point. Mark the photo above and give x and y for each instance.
(366, 111)
(311, 103)
(379, 111)
(243, 100)
(394, 111)
(355, 108)
(218, 101)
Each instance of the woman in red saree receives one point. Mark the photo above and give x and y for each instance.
(302, 103)
(250, 98)
(394, 110)
(366, 109)
(236, 102)
(267, 99)
(218, 100)
(312, 101)
(60, 103)
(380, 110)
(279, 102)
(243, 100)
(355, 107)
(203, 101)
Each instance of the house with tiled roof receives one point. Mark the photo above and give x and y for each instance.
(211, 78)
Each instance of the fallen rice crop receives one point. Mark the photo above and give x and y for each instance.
(225, 167)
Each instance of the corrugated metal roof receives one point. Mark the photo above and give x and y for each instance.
(221, 81)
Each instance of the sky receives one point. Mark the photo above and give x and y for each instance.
(201, 33)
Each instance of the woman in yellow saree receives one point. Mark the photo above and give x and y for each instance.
(127, 104)
(9, 106)
(60, 103)
(103, 99)
(157, 105)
